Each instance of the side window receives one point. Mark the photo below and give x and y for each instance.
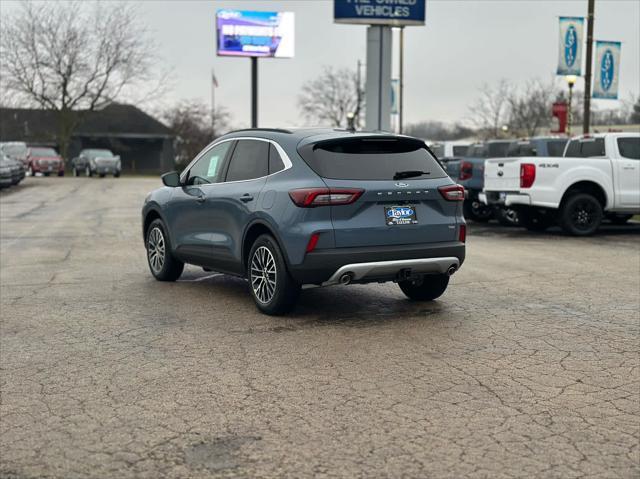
(207, 168)
(629, 148)
(275, 162)
(250, 160)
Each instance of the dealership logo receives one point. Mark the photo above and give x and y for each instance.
(606, 70)
(400, 212)
(570, 46)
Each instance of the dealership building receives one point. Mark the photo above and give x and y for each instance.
(144, 144)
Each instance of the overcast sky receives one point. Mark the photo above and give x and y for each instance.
(463, 45)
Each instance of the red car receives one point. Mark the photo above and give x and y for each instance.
(44, 160)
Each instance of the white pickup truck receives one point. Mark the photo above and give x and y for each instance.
(598, 176)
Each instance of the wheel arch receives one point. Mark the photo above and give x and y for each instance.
(589, 187)
(253, 231)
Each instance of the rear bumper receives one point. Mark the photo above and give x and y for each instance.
(377, 263)
(505, 198)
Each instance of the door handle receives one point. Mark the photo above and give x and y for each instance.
(200, 198)
(246, 198)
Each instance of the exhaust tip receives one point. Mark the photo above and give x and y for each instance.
(346, 278)
(452, 269)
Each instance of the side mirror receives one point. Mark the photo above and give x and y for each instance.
(171, 179)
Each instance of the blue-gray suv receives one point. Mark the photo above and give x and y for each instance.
(293, 209)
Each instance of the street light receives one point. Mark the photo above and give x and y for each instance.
(571, 80)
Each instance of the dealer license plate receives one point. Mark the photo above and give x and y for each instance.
(400, 215)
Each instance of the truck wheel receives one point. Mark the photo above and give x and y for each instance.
(476, 211)
(163, 266)
(428, 288)
(272, 288)
(619, 219)
(534, 220)
(88, 172)
(580, 215)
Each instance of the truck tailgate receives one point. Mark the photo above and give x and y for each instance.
(502, 174)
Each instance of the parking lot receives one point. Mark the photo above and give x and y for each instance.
(527, 367)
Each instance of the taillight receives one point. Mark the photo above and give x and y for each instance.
(312, 197)
(452, 192)
(527, 175)
(466, 170)
(462, 233)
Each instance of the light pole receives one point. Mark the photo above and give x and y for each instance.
(571, 80)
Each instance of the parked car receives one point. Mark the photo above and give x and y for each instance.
(536, 146)
(96, 162)
(44, 160)
(598, 176)
(7, 168)
(450, 149)
(16, 150)
(288, 209)
(468, 171)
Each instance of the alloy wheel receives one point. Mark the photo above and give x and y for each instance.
(156, 250)
(263, 274)
(583, 215)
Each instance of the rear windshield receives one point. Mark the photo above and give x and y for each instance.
(521, 148)
(370, 158)
(629, 148)
(438, 150)
(586, 148)
(497, 150)
(460, 150)
(556, 147)
(43, 152)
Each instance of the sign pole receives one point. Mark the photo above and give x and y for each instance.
(378, 87)
(401, 95)
(254, 92)
(587, 75)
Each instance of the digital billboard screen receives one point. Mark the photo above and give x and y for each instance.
(255, 34)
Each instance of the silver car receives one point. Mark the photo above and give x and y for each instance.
(96, 162)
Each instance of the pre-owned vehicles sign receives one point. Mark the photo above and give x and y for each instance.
(380, 12)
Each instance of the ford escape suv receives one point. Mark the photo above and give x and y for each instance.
(293, 209)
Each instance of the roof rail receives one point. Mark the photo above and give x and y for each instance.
(273, 130)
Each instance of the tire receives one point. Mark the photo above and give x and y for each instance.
(46, 174)
(580, 215)
(60, 173)
(102, 175)
(75, 171)
(428, 288)
(272, 288)
(619, 219)
(116, 174)
(88, 173)
(162, 264)
(476, 211)
(507, 217)
(534, 220)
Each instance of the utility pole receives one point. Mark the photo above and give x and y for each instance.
(401, 92)
(356, 116)
(587, 75)
(254, 92)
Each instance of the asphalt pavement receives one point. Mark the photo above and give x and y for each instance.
(527, 367)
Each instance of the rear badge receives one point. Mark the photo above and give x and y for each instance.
(402, 185)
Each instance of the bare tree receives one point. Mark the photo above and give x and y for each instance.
(438, 131)
(190, 121)
(529, 108)
(331, 97)
(71, 57)
(489, 113)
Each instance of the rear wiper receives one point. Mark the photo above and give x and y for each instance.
(399, 175)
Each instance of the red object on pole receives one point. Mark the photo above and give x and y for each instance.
(560, 112)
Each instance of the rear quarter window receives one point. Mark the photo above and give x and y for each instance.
(586, 148)
(370, 158)
(629, 148)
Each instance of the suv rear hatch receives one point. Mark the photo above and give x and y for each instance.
(397, 206)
